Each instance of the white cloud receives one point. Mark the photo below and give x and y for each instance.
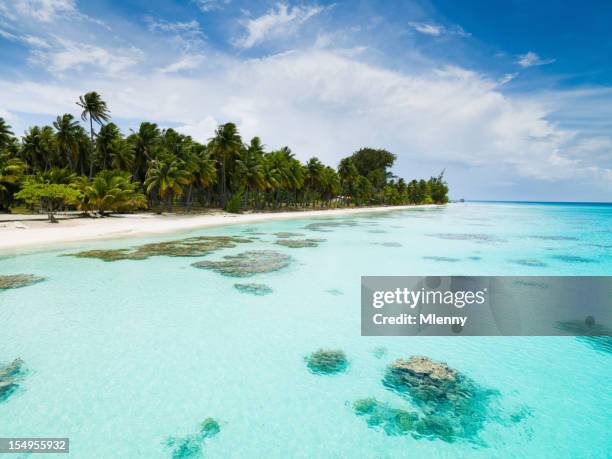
(436, 30)
(10, 118)
(186, 62)
(531, 59)
(280, 22)
(325, 101)
(427, 29)
(29, 40)
(211, 5)
(71, 55)
(167, 26)
(507, 78)
(187, 34)
(40, 10)
(43, 11)
(201, 130)
(328, 104)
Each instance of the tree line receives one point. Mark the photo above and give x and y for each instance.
(98, 168)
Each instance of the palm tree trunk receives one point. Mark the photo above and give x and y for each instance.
(169, 202)
(189, 196)
(223, 200)
(91, 157)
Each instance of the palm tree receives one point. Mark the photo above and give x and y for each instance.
(39, 148)
(202, 169)
(11, 171)
(225, 146)
(121, 153)
(96, 110)
(106, 135)
(144, 141)
(113, 191)
(56, 176)
(349, 176)
(166, 177)
(6, 135)
(330, 184)
(250, 172)
(314, 176)
(67, 137)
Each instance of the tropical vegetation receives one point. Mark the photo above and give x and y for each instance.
(97, 168)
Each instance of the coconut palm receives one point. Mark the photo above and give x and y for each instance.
(166, 177)
(57, 176)
(313, 177)
(249, 169)
(145, 140)
(121, 154)
(107, 134)
(225, 146)
(113, 191)
(39, 148)
(11, 172)
(203, 172)
(67, 138)
(6, 135)
(94, 109)
(330, 184)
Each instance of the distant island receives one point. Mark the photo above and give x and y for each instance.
(70, 167)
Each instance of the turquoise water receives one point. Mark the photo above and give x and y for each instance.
(122, 355)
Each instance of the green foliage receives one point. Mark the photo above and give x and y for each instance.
(157, 168)
(167, 177)
(11, 173)
(233, 205)
(48, 197)
(112, 191)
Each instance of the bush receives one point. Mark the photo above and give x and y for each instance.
(233, 206)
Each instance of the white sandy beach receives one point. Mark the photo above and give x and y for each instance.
(25, 232)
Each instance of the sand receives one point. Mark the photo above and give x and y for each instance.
(25, 232)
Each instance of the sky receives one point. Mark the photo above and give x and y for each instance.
(512, 99)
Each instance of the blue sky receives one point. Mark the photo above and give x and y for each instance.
(513, 99)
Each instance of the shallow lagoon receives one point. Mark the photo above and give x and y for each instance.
(120, 356)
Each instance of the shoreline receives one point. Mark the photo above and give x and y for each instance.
(36, 234)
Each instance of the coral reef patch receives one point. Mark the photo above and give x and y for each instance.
(447, 259)
(475, 237)
(327, 362)
(247, 263)
(299, 243)
(190, 446)
(286, 234)
(10, 376)
(393, 421)
(253, 289)
(529, 262)
(553, 238)
(190, 247)
(379, 352)
(327, 225)
(573, 259)
(18, 280)
(452, 405)
(389, 244)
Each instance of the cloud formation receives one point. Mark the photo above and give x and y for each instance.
(67, 55)
(327, 97)
(531, 59)
(281, 21)
(211, 5)
(436, 30)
